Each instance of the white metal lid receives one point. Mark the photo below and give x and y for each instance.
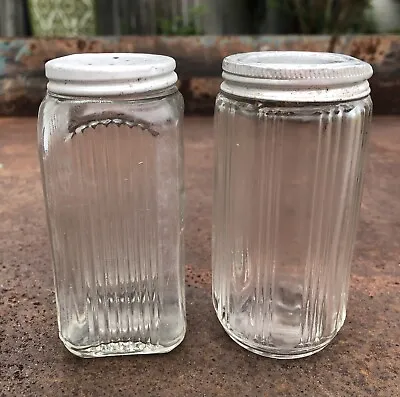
(296, 76)
(97, 75)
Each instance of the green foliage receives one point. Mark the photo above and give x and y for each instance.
(177, 26)
(329, 16)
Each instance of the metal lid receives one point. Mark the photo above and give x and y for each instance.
(96, 75)
(296, 76)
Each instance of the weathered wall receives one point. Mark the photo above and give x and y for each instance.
(22, 81)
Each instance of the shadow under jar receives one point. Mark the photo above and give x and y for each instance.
(291, 137)
(111, 154)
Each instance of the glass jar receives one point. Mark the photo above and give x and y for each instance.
(111, 154)
(291, 137)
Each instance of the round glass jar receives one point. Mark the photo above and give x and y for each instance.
(291, 138)
(111, 153)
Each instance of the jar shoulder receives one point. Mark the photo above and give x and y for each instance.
(61, 116)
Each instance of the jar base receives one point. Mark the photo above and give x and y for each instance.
(120, 348)
(277, 353)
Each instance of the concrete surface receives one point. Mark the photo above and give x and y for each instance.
(364, 359)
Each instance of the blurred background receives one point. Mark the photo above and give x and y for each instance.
(69, 18)
(198, 34)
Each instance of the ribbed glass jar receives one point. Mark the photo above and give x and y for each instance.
(288, 182)
(111, 153)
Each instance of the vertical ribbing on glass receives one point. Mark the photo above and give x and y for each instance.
(118, 281)
(290, 207)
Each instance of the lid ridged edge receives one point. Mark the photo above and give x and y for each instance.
(296, 76)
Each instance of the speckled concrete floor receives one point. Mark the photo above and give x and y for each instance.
(362, 361)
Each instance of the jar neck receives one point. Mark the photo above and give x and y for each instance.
(116, 98)
(261, 103)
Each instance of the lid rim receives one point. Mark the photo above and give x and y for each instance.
(115, 88)
(289, 94)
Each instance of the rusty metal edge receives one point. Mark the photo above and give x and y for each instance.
(22, 81)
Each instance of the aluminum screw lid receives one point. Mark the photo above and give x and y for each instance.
(296, 76)
(110, 74)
